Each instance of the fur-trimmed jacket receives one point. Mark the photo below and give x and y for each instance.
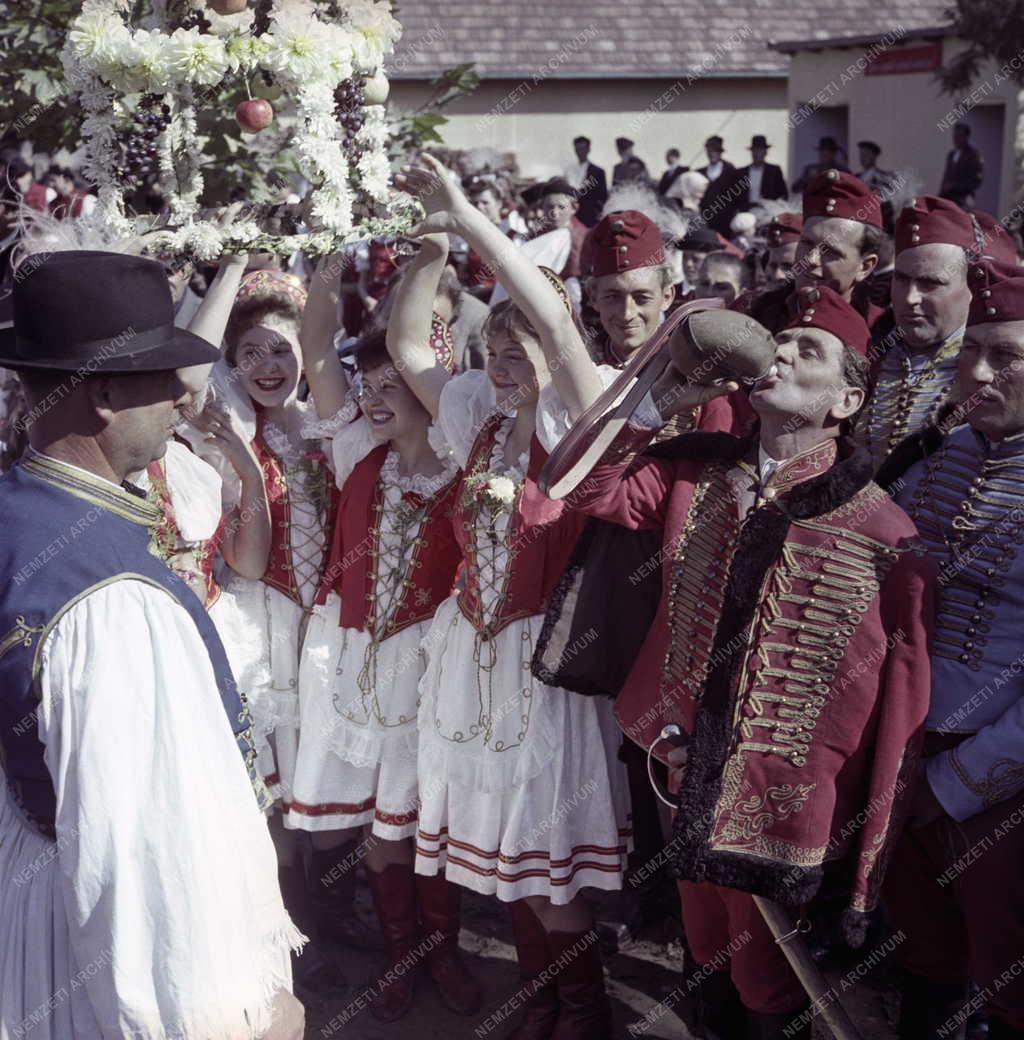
(791, 648)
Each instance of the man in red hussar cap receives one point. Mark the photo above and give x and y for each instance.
(790, 649)
(917, 371)
(999, 243)
(631, 287)
(838, 249)
(782, 236)
(954, 887)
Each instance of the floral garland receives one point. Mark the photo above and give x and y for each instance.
(309, 48)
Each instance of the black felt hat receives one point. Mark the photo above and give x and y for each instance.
(93, 311)
(700, 240)
(532, 194)
(558, 186)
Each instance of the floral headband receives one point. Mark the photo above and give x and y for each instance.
(271, 284)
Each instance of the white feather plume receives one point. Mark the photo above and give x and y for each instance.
(670, 221)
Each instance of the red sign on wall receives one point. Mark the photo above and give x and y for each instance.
(923, 58)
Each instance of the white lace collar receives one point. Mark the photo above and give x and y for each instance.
(416, 483)
(278, 441)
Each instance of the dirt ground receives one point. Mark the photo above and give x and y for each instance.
(640, 975)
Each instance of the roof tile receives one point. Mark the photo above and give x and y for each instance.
(512, 37)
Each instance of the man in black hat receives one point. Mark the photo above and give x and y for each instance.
(629, 167)
(560, 206)
(828, 159)
(738, 191)
(965, 169)
(590, 183)
(138, 882)
(533, 209)
(717, 166)
(879, 181)
(673, 169)
(695, 245)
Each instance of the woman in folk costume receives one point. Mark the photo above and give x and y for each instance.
(393, 561)
(256, 387)
(521, 792)
(196, 527)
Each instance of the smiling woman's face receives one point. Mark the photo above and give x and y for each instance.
(390, 407)
(267, 361)
(516, 367)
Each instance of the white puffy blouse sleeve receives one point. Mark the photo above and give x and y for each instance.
(168, 873)
(195, 490)
(467, 401)
(553, 418)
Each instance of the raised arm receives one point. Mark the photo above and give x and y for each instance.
(324, 372)
(211, 319)
(408, 335)
(572, 370)
(245, 542)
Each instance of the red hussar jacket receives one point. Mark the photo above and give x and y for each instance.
(790, 646)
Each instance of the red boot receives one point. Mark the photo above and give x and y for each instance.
(583, 1009)
(439, 916)
(394, 899)
(541, 995)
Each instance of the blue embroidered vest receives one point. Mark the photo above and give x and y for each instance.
(64, 534)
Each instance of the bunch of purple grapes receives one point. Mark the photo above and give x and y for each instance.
(349, 99)
(139, 145)
(261, 20)
(194, 19)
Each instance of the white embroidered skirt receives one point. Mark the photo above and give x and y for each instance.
(357, 747)
(244, 643)
(273, 701)
(521, 790)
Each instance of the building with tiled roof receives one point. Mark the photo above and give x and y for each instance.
(895, 102)
(509, 39)
(663, 74)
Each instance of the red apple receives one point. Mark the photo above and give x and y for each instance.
(254, 115)
(228, 6)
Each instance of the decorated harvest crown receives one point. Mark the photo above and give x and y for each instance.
(140, 86)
